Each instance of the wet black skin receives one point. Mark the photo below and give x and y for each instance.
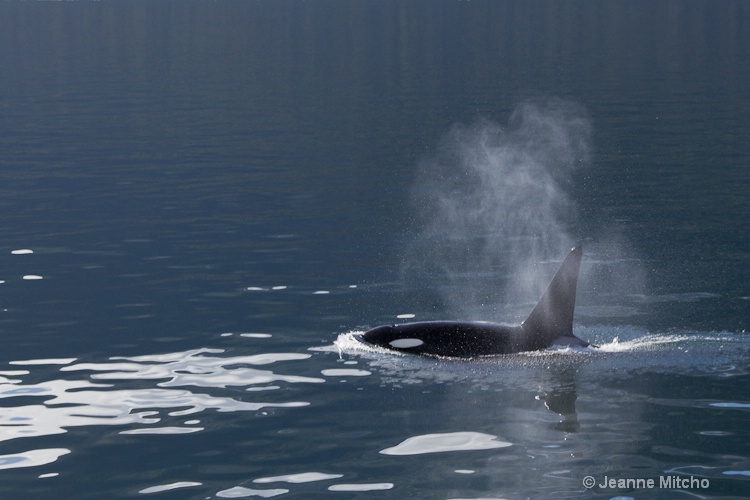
(550, 323)
(449, 338)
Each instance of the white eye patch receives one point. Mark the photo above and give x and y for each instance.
(406, 343)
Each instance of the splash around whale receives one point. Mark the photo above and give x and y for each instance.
(549, 324)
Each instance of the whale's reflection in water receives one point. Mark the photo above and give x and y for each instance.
(114, 394)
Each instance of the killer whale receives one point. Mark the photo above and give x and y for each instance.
(549, 323)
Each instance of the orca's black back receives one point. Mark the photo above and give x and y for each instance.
(457, 339)
(550, 321)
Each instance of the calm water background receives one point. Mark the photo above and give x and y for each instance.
(215, 194)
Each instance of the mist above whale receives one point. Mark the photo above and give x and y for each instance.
(550, 323)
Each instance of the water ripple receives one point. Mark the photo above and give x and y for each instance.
(452, 441)
(32, 458)
(305, 477)
(361, 487)
(59, 404)
(168, 487)
(242, 492)
(193, 368)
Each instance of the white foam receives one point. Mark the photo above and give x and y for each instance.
(32, 277)
(22, 251)
(641, 343)
(406, 316)
(348, 342)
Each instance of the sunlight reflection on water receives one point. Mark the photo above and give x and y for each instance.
(166, 393)
(32, 458)
(75, 403)
(452, 441)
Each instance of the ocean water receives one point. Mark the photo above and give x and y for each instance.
(201, 202)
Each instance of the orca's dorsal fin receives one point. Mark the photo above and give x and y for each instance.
(552, 316)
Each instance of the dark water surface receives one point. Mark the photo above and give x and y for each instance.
(200, 201)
